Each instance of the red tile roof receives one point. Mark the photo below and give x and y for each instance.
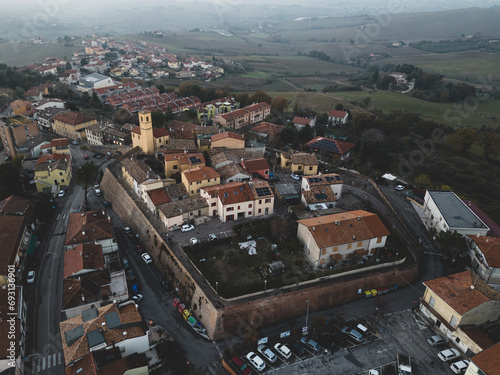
(57, 142)
(494, 227)
(88, 226)
(488, 360)
(338, 114)
(83, 257)
(157, 132)
(354, 226)
(200, 174)
(254, 165)
(14, 205)
(158, 196)
(456, 291)
(47, 158)
(301, 120)
(490, 247)
(220, 136)
(332, 145)
(73, 118)
(267, 128)
(11, 229)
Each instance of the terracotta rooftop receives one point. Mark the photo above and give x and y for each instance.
(267, 128)
(89, 226)
(478, 336)
(20, 103)
(488, 360)
(200, 174)
(456, 291)
(176, 191)
(230, 170)
(319, 194)
(73, 118)
(232, 192)
(87, 288)
(224, 135)
(494, 227)
(181, 125)
(185, 158)
(11, 230)
(301, 120)
(58, 142)
(331, 145)
(261, 189)
(52, 162)
(182, 206)
(121, 323)
(84, 366)
(158, 196)
(337, 114)
(52, 157)
(157, 132)
(14, 205)
(490, 247)
(324, 179)
(304, 159)
(84, 257)
(181, 144)
(255, 164)
(351, 226)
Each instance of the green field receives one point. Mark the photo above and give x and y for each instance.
(23, 54)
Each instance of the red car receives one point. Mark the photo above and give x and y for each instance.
(176, 302)
(86, 157)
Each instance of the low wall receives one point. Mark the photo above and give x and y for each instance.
(225, 318)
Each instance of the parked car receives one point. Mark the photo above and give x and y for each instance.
(274, 179)
(311, 344)
(137, 298)
(96, 185)
(128, 230)
(74, 142)
(460, 366)
(212, 237)
(242, 366)
(297, 348)
(267, 353)
(30, 279)
(256, 361)
(352, 333)
(194, 241)
(146, 258)
(125, 263)
(436, 340)
(399, 187)
(283, 350)
(295, 177)
(61, 193)
(187, 227)
(448, 354)
(98, 192)
(86, 157)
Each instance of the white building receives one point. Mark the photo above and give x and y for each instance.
(94, 81)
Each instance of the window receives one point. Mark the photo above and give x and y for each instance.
(323, 251)
(322, 261)
(192, 192)
(213, 204)
(190, 214)
(238, 207)
(62, 180)
(379, 240)
(457, 340)
(260, 210)
(349, 245)
(199, 212)
(230, 208)
(249, 213)
(260, 201)
(310, 168)
(335, 249)
(360, 243)
(250, 205)
(299, 167)
(268, 200)
(432, 302)
(175, 166)
(60, 173)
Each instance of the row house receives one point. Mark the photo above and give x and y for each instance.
(300, 163)
(52, 173)
(72, 124)
(188, 210)
(176, 163)
(238, 200)
(330, 239)
(321, 191)
(195, 179)
(239, 118)
(139, 177)
(229, 140)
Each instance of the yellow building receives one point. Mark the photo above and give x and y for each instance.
(196, 178)
(52, 173)
(177, 163)
(72, 124)
(146, 137)
(229, 140)
(457, 304)
(300, 163)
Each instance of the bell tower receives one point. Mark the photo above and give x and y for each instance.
(147, 141)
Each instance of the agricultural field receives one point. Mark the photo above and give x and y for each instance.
(23, 54)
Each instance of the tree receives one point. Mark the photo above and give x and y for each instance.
(306, 134)
(463, 139)
(339, 107)
(86, 175)
(260, 96)
(158, 119)
(83, 62)
(10, 181)
(184, 89)
(452, 243)
(279, 104)
(489, 141)
(424, 181)
(242, 98)
(121, 116)
(68, 66)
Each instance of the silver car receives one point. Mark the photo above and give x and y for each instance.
(436, 340)
(267, 353)
(352, 333)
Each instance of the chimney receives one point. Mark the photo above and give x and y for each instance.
(359, 218)
(354, 237)
(83, 298)
(83, 232)
(103, 212)
(314, 229)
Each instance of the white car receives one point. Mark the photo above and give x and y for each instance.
(296, 177)
(460, 366)
(267, 353)
(137, 298)
(212, 237)
(61, 193)
(146, 258)
(399, 187)
(187, 227)
(448, 354)
(98, 192)
(194, 241)
(283, 350)
(256, 361)
(30, 279)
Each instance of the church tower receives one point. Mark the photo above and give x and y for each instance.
(147, 141)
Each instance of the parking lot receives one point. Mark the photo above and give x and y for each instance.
(388, 335)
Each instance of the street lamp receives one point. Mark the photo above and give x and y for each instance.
(217, 287)
(396, 258)
(330, 273)
(265, 285)
(307, 314)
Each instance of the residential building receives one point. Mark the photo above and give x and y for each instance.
(91, 227)
(94, 81)
(146, 137)
(229, 140)
(197, 178)
(258, 167)
(486, 362)
(115, 136)
(93, 134)
(15, 238)
(36, 93)
(115, 325)
(332, 180)
(20, 107)
(484, 252)
(178, 212)
(60, 146)
(266, 129)
(238, 200)
(287, 194)
(457, 305)
(13, 328)
(333, 238)
(176, 163)
(70, 77)
(338, 149)
(233, 173)
(336, 117)
(157, 197)
(15, 132)
(72, 124)
(399, 77)
(83, 259)
(300, 163)
(52, 173)
(48, 103)
(110, 362)
(301, 122)
(44, 117)
(445, 211)
(240, 118)
(140, 177)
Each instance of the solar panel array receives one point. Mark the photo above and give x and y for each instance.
(326, 144)
(314, 179)
(320, 196)
(329, 178)
(194, 159)
(263, 191)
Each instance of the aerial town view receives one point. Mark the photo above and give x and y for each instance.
(249, 187)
